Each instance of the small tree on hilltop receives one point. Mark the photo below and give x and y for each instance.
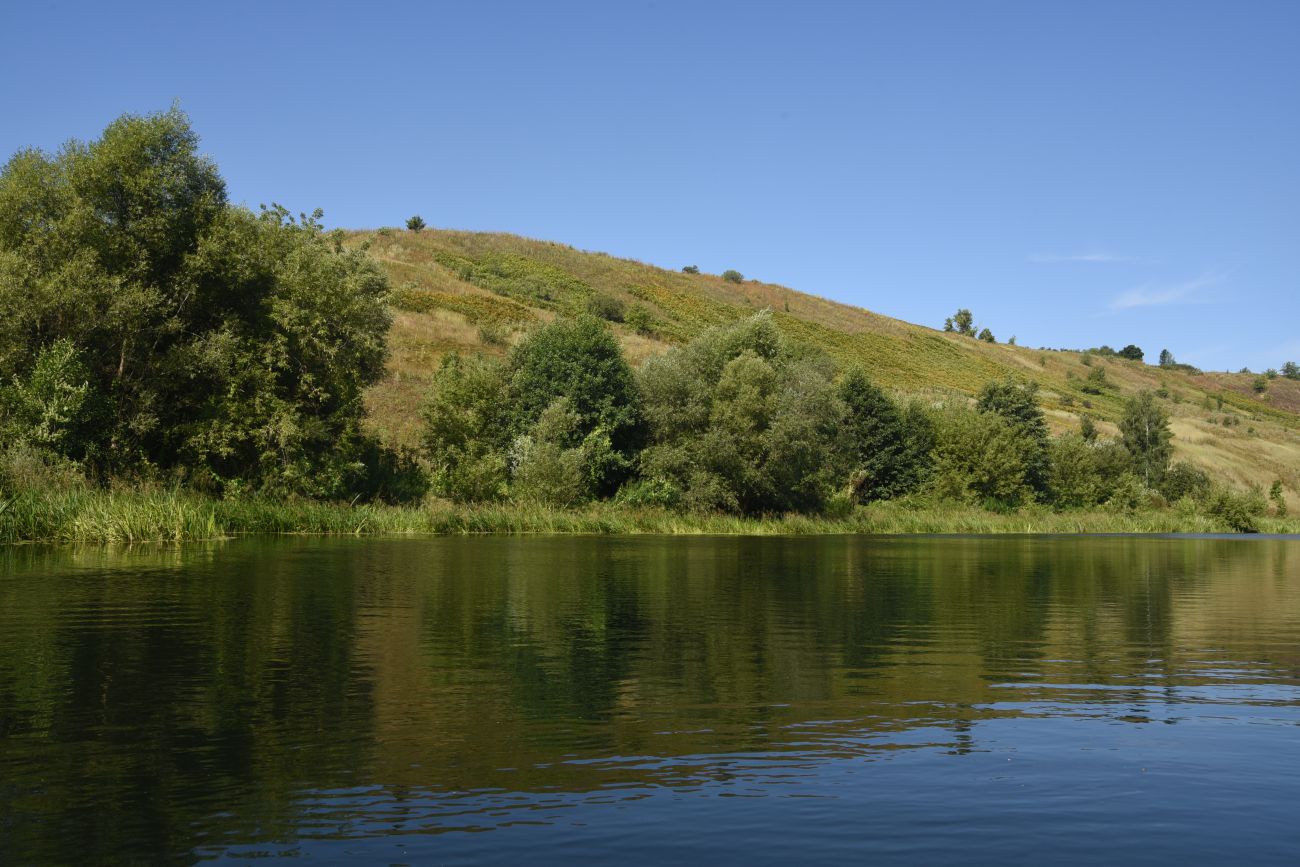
(1132, 353)
(691, 269)
(733, 276)
(987, 336)
(962, 322)
(415, 223)
(1166, 358)
(1291, 370)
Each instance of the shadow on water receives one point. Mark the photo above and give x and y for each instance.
(371, 698)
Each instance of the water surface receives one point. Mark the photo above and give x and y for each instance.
(653, 700)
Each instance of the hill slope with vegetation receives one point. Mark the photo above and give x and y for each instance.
(468, 293)
(173, 365)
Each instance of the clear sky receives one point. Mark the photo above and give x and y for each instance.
(1076, 173)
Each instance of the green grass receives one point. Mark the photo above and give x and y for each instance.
(175, 516)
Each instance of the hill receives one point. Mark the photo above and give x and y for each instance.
(479, 292)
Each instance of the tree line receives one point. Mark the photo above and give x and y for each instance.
(745, 421)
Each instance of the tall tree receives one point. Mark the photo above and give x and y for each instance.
(1017, 402)
(1145, 433)
(226, 345)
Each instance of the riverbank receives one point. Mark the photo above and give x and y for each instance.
(176, 516)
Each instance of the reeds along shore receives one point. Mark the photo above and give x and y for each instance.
(175, 516)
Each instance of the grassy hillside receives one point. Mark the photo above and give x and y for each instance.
(479, 292)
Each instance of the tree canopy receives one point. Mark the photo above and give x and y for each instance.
(202, 339)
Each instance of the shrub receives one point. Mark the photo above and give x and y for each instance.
(979, 457)
(415, 224)
(1260, 384)
(1279, 501)
(466, 429)
(1238, 510)
(1073, 479)
(1184, 480)
(638, 319)
(691, 269)
(606, 307)
(548, 464)
(733, 276)
(987, 336)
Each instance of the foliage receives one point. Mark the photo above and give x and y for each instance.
(732, 276)
(466, 429)
(1016, 401)
(1088, 428)
(229, 347)
(1131, 352)
(1279, 501)
(888, 450)
(1146, 436)
(580, 360)
(1073, 477)
(416, 223)
(961, 322)
(547, 465)
(740, 423)
(1184, 480)
(638, 319)
(690, 269)
(1291, 370)
(607, 307)
(1167, 358)
(987, 336)
(981, 458)
(1260, 384)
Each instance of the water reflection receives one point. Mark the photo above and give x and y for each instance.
(309, 697)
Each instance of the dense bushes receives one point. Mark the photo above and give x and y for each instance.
(741, 420)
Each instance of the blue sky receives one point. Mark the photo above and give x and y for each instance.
(1076, 173)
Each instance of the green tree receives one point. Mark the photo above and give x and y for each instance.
(1145, 433)
(467, 428)
(415, 224)
(980, 457)
(733, 276)
(224, 345)
(987, 336)
(884, 459)
(1167, 358)
(962, 322)
(580, 360)
(1017, 402)
(691, 269)
(1073, 472)
(1291, 370)
(743, 422)
(1260, 384)
(1131, 352)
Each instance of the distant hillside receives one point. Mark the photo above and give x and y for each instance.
(477, 292)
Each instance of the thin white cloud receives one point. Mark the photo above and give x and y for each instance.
(1162, 295)
(1096, 257)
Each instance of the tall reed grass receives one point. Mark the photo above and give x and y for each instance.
(89, 515)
